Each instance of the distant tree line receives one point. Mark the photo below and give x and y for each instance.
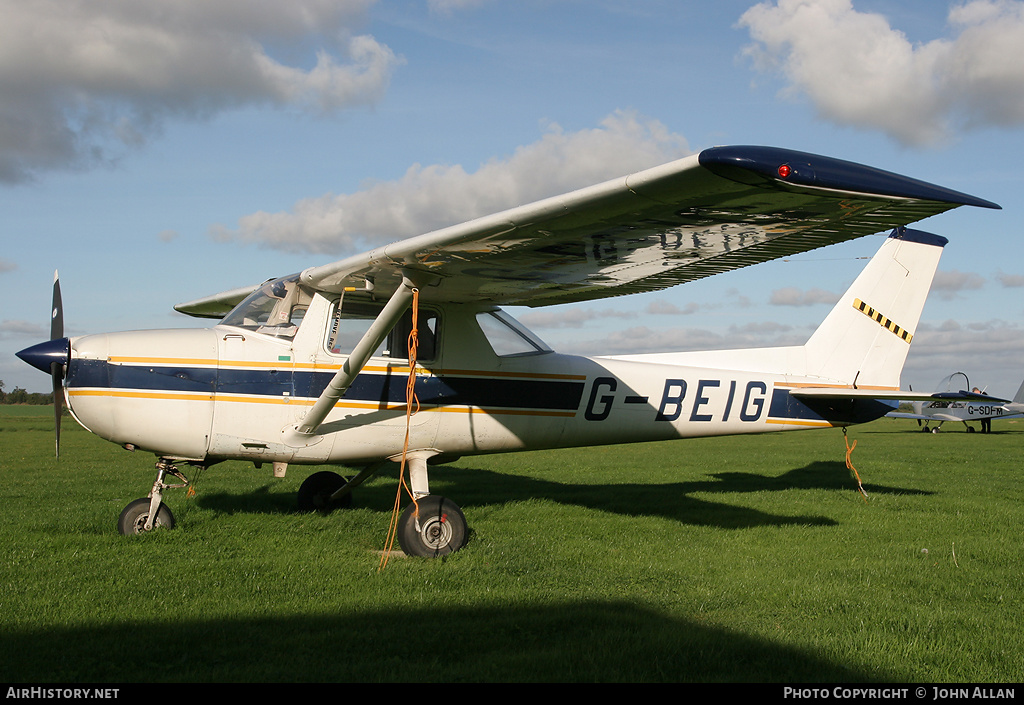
(20, 396)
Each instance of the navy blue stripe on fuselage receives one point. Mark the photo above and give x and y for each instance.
(484, 392)
(102, 374)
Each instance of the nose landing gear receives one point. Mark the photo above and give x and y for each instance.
(150, 512)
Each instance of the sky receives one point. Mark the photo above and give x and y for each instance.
(158, 152)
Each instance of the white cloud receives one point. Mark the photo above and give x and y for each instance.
(1010, 280)
(449, 6)
(80, 81)
(22, 329)
(859, 71)
(667, 308)
(430, 197)
(568, 317)
(946, 285)
(792, 296)
(988, 351)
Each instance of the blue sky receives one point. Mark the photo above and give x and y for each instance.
(162, 151)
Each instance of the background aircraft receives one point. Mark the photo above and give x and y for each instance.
(403, 354)
(972, 405)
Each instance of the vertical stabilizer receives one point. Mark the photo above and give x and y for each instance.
(1018, 398)
(866, 337)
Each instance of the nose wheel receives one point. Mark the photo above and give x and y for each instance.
(135, 517)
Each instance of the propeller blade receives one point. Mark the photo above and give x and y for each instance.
(56, 369)
(58, 403)
(56, 311)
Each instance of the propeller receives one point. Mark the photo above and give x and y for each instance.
(52, 356)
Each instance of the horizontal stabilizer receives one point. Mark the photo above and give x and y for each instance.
(897, 394)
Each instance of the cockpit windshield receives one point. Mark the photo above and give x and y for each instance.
(276, 308)
(956, 382)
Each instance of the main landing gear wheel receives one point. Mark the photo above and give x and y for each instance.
(134, 517)
(439, 529)
(316, 490)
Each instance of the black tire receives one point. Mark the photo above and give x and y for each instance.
(442, 528)
(315, 491)
(133, 519)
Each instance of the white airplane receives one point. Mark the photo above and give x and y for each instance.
(402, 354)
(953, 402)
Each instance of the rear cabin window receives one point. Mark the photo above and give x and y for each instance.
(354, 317)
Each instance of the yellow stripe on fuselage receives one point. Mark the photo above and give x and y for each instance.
(799, 422)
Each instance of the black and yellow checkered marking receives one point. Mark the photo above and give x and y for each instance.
(882, 320)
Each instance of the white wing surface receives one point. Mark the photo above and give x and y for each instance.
(722, 209)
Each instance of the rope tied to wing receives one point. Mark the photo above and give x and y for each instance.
(412, 405)
(849, 463)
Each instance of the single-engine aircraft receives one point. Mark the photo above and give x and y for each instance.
(953, 402)
(327, 366)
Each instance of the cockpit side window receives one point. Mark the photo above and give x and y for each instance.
(354, 317)
(276, 308)
(507, 336)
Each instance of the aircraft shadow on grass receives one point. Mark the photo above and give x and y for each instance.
(577, 641)
(673, 501)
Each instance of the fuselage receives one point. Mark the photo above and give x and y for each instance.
(234, 392)
(963, 410)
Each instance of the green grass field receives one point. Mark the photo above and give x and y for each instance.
(742, 559)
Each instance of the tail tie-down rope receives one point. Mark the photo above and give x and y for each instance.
(412, 405)
(849, 464)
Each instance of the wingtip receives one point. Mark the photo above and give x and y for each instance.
(815, 170)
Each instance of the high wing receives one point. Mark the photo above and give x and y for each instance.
(217, 305)
(719, 210)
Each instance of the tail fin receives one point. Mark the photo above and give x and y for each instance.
(1019, 396)
(866, 338)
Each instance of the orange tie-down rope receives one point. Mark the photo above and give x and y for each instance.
(412, 405)
(849, 464)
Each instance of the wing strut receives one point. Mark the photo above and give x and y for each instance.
(395, 308)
